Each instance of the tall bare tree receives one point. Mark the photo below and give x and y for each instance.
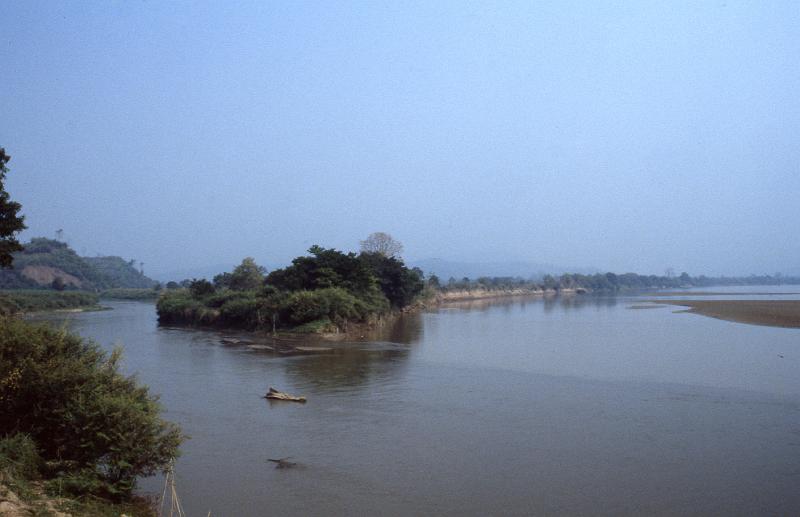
(383, 244)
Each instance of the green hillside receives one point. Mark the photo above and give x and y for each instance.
(47, 262)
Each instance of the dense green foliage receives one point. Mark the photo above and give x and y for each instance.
(95, 429)
(19, 457)
(398, 283)
(200, 288)
(323, 291)
(247, 276)
(12, 302)
(11, 223)
(59, 260)
(119, 273)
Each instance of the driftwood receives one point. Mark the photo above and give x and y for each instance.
(265, 348)
(283, 463)
(298, 350)
(279, 395)
(312, 349)
(234, 341)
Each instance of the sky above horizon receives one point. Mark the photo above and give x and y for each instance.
(624, 136)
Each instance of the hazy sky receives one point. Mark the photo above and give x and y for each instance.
(629, 136)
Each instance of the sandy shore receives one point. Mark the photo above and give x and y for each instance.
(712, 293)
(774, 313)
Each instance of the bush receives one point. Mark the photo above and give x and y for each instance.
(19, 457)
(240, 312)
(89, 422)
(201, 288)
(333, 304)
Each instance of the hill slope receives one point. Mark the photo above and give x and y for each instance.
(43, 260)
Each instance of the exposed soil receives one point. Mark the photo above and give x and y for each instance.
(44, 275)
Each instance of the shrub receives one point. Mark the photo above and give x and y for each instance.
(333, 304)
(88, 421)
(19, 456)
(305, 306)
(12, 302)
(240, 312)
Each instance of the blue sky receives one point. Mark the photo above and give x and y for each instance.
(627, 136)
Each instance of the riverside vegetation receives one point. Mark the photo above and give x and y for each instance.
(21, 301)
(325, 291)
(46, 274)
(71, 425)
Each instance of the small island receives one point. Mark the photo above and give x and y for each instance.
(327, 291)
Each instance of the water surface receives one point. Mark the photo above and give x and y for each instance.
(571, 406)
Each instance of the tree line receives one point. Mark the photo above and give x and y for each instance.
(606, 282)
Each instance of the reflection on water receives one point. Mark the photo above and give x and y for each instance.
(571, 405)
(349, 367)
(549, 303)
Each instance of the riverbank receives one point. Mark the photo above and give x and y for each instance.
(125, 293)
(27, 301)
(773, 313)
(29, 499)
(73, 426)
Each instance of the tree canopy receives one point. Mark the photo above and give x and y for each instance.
(382, 244)
(11, 222)
(247, 276)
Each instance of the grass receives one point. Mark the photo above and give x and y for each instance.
(21, 301)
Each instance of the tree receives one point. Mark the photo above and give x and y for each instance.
(200, 288)
(96, 429)
(324, 268)
(383, 244)
(247, 276)
(58, 284)
(399, 284)
(10, 222)
(222, 281)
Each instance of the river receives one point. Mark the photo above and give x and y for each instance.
(520, 407)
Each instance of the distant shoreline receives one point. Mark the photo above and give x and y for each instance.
(772, 313)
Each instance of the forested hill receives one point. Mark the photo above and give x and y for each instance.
(46, 263)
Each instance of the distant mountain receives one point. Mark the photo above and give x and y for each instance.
(446, 269)
(45, 260)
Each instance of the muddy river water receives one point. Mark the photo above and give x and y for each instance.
(521, 407)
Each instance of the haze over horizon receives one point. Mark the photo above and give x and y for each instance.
(618, 136)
